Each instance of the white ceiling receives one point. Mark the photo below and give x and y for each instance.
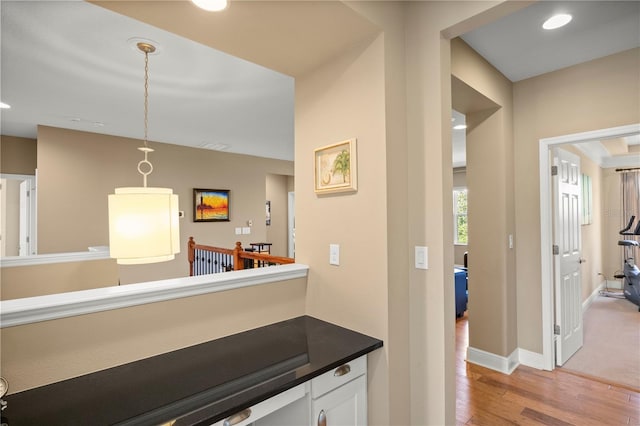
(68, 64)
(519, 48)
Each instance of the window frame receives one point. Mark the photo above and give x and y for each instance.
(457, 215)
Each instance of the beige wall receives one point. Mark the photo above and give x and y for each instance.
(77, 171)
(18, 155)
(352, 294)
(45, 352)
(38, 280)
(490, 204)
(428, 116)
(277, 232)
(595, 95)
(10, 216)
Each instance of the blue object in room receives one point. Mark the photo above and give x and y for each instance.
(461, 290)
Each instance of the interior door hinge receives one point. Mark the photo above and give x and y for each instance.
(556, 330)
(554, 170)
(556, 249)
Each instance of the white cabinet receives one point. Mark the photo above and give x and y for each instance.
(285, 404)
(339, 397)
(335, 398)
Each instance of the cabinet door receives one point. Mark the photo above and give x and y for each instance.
(344, 406)
(280, 401)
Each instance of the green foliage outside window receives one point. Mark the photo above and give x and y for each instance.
(460, 216)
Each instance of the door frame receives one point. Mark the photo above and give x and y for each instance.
(546, 224)
(291, 224)
(28, 216)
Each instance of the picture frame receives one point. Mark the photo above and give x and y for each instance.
(268, 212)
(335, 168)
(211, 205)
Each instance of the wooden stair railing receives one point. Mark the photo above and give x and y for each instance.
(205, 259)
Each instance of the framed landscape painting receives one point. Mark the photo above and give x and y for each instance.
(210, 205)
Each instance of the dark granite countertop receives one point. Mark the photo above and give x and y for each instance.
(197, 385)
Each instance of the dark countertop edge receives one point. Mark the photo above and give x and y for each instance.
(218, 409)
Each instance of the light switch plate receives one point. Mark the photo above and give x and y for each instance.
(238, 231)
(422, 257)
(246, 230)
(334, 254)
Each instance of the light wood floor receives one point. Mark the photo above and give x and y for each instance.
(534, 397)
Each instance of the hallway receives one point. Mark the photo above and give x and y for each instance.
(533, 397)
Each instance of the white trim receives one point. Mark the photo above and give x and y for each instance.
(531, 359)
(291, 224)
(43, 259)
(546, 269)
(592, 297)
(495, 362)
(44, 308)
(16, 176)
(622, 161)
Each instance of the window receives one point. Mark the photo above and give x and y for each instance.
(460, 224)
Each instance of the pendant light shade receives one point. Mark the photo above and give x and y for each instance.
(143, 225)
(144, 221)
(211, 5)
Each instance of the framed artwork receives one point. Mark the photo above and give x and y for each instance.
(268, 212)
(336, 168)
(210, 205)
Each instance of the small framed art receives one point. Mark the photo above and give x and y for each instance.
(336, 168)
(210, 205)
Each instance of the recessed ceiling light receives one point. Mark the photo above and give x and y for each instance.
(4, 106)
(211, 5)
(557, 21)
(459, 127)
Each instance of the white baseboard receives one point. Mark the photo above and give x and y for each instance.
(531, 359)
(495, 362)
(592, 297)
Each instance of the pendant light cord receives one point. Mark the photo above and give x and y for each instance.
(146, 96)
(146, 48)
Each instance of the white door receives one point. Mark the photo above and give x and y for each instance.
(27, 218)
(567, 261)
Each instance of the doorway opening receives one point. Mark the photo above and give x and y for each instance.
(18, 224)
(546, 226)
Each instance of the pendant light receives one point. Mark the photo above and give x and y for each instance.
(211, 5)
(144, 221)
